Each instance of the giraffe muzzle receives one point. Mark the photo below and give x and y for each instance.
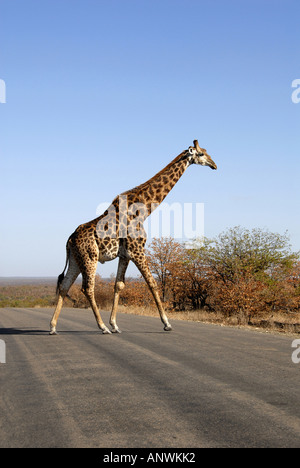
(213, 165)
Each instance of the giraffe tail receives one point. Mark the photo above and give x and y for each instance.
(62, 275)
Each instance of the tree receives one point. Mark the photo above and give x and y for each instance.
(180, 273)
(164, 255)
(250, 268)
(238, 252)
(197, 278)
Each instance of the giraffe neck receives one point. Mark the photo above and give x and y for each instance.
(154, 191)
(128, 211)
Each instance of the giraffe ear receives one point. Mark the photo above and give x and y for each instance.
(196, 144)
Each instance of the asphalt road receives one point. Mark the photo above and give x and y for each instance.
(198, 386)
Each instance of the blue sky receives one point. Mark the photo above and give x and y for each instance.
(102, 94)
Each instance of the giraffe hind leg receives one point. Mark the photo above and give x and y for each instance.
(63, 285)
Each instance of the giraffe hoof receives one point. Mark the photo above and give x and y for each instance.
(116, 330)
(168, 327)
(105, 331)
(53, 332)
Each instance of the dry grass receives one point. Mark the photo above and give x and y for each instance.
(279, 322)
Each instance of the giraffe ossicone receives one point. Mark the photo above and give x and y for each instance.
(119, 232)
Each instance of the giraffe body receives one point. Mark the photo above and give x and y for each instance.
(119, 233)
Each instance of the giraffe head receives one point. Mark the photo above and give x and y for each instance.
(199, 155)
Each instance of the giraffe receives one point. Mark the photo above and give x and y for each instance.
(119, 232)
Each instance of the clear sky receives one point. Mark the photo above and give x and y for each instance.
(102, 94)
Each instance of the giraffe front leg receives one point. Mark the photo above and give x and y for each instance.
(141, 263)
(101, 325)
(88, 285)
(119, 286)
(104, 329)
(113, 322)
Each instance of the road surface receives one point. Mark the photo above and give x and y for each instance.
(198, 386)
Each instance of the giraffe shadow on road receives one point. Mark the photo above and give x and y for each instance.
(22, 331)
(32, 331)
(36, 332)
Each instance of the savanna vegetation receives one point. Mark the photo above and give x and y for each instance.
(244, 277)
